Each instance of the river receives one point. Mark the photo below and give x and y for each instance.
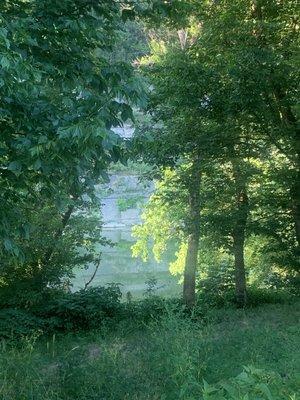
(117, 264)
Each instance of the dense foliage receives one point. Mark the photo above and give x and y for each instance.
(225, 122)
(62, 93)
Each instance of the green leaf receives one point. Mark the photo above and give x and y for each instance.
(265, 390)
(104, 176)
(15, 167)
(110, 141)
(37, 164)
(4, 62)
(26, 230)
(8, 244)
(126, 112)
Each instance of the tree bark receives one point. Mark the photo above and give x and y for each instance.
(189, 283)
(191, 261)
(238, 235)
(239, 267)
(295, 196)
(288, 119)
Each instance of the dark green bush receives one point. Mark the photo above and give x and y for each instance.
(85, 309)
(259, 296)
(97, 307)
(207, 300)
(153, 308)
(216, 290)
(251, 384)
(15, 323)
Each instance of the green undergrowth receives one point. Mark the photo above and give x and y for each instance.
(231, 354)
(56, 312)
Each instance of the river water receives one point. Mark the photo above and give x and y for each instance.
(117, 264)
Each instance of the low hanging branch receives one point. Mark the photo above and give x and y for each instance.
(94, 273)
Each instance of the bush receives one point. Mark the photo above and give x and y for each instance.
(259, 296)
(85, 309)
(216, 289)
(94, 308)
(251, 384)
(153, 308)
(207, 300)
(125, 204)
(15, 323)
(210, 299)
(25, 279)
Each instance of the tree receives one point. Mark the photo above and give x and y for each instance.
(258, 42)
(25, 284)
(60, 98)
(184, 132)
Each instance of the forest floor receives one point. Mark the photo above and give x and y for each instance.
(164, 360)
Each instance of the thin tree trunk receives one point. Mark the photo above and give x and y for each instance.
(295, 196)
(191, 261)
(94, 273)
(289, 120)
(189, 283)
(239, 267)
(238, 235)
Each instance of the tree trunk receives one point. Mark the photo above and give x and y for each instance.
(290, 121)
(295, 190)
(238, 235)
(295, 196)
(191, 261)
(94, 273)
(239, 267)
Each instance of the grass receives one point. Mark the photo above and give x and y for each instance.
(165, 360)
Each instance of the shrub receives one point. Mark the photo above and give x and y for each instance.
(25, 280)
(258, 296)
(15, 323)
(85, 309)
(153, 308)
(251, 384)
(210, 299)
(216, 289)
